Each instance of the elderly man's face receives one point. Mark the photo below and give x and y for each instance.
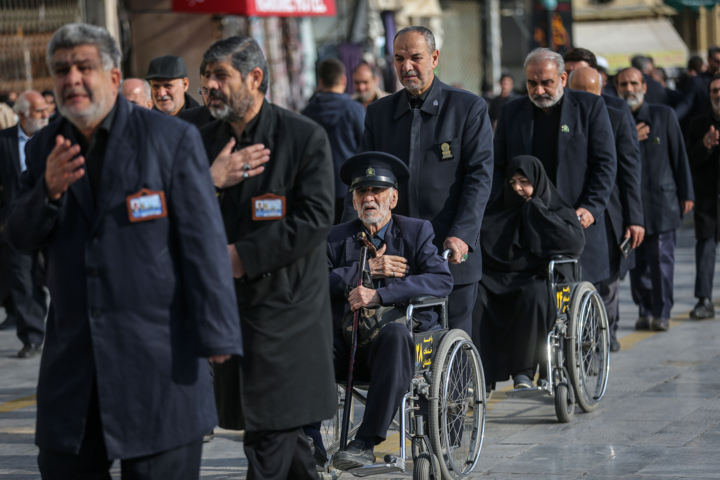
(85, 92)
(38, 115)
(134, 91)
(169, 94)
(413, 62)
(544, 83)
(365, 83)
(373, 204)
(230, 95)
(631, 87)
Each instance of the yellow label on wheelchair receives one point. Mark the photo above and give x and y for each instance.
(563, 298)
(424, 346)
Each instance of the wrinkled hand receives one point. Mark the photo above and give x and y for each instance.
(637, 233)
(686, 206)
(237, 266)
(362, 297)
(711, 138)
(643, 131)
(61, 170)
(586, 218)
(231, 168)
(384, 266)
(219, 359)
(458, 247)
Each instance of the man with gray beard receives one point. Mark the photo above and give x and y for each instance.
(571, 134)
(274, 178)
(667, 195)
(28, 298)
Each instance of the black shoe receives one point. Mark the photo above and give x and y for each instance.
(704, 309)
(614, 344)
(30, 350)
(356, 455)
(207, 438)
(522, 381)
(660, 324)
(643, 323)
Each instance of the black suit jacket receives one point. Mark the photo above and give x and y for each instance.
(450, 193)
(586, 163)
(705, 168)
(666, 178)
(134, 305)
(198, 116)
(9, 172)
(284, 299)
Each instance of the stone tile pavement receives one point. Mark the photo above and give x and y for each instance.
(660, 417)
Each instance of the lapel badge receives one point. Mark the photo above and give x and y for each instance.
(565, 129)
(370, 172)
(435, 104)
(445, 148)
(657, 140)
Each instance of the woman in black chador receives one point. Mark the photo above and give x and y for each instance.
(523, 227)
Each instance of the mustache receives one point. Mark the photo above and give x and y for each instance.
(544, 96)
(163, 98)
(370, 204)
(214, 93)
(411, 72)
(76, 91)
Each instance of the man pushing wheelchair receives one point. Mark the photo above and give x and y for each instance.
(406, 265)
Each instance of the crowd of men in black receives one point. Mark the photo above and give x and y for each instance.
(196, 232)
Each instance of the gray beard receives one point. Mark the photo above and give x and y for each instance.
(549, 102)
(636, 100)
(236, 110)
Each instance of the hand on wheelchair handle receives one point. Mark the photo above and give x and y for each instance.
(459, 250)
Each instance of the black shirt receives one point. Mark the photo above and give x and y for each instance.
(416, 102)
(94, 152)
(546, 129)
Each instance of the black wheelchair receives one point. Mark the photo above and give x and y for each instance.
(578, 346)
(449, 375)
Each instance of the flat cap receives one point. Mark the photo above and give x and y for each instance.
(374, 169)
(167, 66)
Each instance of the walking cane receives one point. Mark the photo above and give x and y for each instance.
(365, 248)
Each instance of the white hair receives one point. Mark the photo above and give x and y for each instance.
(544, 55)
(22, 105)
(146, 89)
(75, 34)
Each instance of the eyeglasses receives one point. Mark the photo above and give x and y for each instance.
(203, 91)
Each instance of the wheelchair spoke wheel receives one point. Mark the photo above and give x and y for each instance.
(331, 428)
(588, 347)
(457, 405)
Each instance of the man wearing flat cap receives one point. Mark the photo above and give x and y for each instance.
(169, 81)
(407, 265)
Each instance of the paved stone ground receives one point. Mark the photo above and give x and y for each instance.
(660, 417)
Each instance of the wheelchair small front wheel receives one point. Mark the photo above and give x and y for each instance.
(421, 467)
(564, 403)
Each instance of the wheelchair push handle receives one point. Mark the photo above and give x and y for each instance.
(446, 254)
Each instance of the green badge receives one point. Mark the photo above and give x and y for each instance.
(657, 140)
(565, 129)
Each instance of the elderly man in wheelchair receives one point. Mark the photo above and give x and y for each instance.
(407, 265)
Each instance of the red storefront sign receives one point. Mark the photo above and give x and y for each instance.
(259, 8)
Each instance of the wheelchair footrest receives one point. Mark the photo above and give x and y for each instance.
(379, 468)
(529, 392)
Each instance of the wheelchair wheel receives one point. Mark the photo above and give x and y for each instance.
(457, 405)
(564, 403)
(330, 429)
(588, 346)
(421, 467)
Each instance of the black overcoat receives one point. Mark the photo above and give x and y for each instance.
(287, 373)
(198, 116)
(134, 305)
(450, 193)
(706, 177)
(9, 171)
(666, 178)
(586, 163)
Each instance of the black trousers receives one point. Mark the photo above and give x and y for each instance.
(462, 301)
(91, 463)
(28, 297)
(388, 364)
(652, 278)
(704, 267)
(609, 291)
(279, 455)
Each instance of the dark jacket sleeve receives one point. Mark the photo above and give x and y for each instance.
(602, 162)
(499, 154)
(697, 153)
(679, 160)
(433, 278)
(204, 263)
(477, 154)
(341, 277)
(551, 233)
(33, 216)
(629, 174)
(309, 217)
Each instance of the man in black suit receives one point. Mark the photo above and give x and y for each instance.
(667, 195)
(28, 304)
(138, 269)
(571, 134)
(704, 155)
(624, 214)
(273, 173)
(444, 136)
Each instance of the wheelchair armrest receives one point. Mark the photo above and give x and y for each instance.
(563, 259)
(427, 301)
